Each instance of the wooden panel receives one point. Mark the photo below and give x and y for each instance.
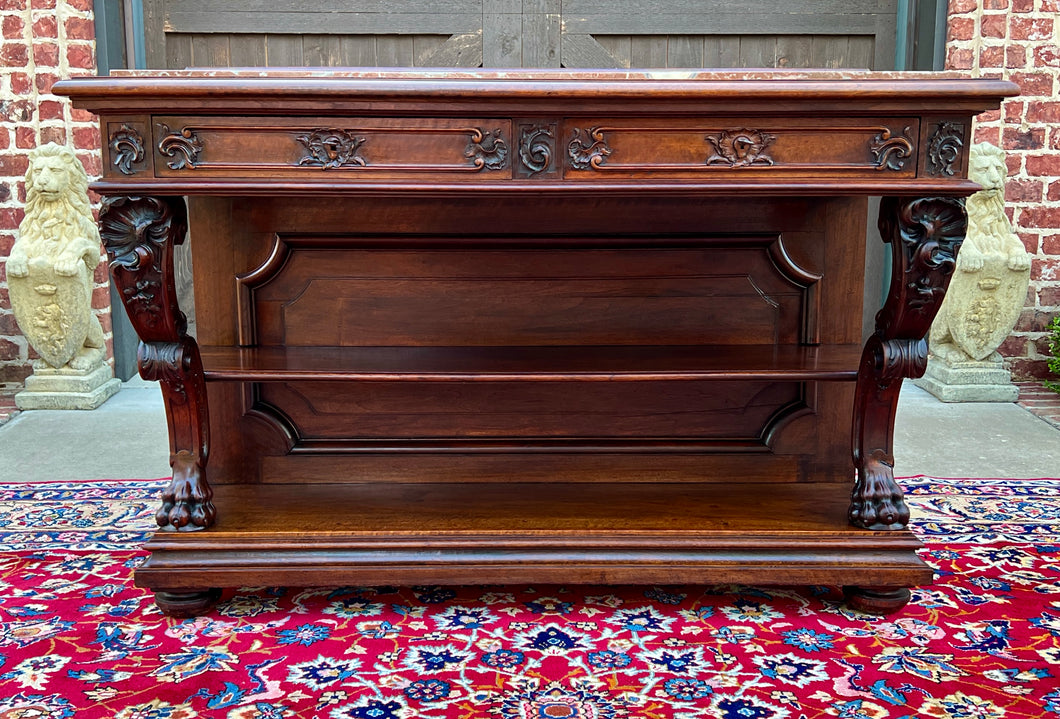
(326, 295)
(734, 415)
(367, 17)
(284, 50)
(248, 50)
(721, 17)
(531, 33)
(725, 51)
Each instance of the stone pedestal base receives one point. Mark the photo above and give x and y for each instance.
(985, 381)
(65, 388)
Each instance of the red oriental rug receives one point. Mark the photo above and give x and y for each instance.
(76, 638)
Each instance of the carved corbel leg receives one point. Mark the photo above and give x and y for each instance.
(925, 235)
(139, 234)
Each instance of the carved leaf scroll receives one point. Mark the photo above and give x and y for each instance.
(127, 146)
(184, 147)
(740, 148)
(890, 152)
(588, 148)
(944, 148)
(487, 150)
(329, 149)
(536, 148)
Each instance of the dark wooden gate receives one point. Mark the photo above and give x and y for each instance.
(522, 33)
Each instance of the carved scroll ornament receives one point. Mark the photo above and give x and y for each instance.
(329, 149)
(890, 152)
(588, 148)
(944, 149)
(740, 148)
(536, 148)
(127, 148)
(184, 147)
(487, 150)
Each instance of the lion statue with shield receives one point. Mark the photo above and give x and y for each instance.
(987, 291)
(51, 267)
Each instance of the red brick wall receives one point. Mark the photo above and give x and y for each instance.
(1019, 40)
(42, 40)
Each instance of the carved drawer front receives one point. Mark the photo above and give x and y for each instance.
(323, 148)
(724, 148)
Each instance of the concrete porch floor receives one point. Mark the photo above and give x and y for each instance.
(126, 438)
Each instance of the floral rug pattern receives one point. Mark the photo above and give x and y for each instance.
(76, 638)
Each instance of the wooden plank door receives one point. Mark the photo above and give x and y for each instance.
(522, 33)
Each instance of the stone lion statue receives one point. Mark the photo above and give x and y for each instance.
(993, 269)
(989, 231)
(51, 267)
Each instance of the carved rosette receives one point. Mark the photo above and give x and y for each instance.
(944, 149)
(537, 145)
(139, 234)
(740, 148)
(184, 147)
(487, 150)
(588, 149)
(890, 152)
(329, 149)
(926, 235)
(127, 149)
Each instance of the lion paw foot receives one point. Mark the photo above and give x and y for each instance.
(877, 501)
(186, 504)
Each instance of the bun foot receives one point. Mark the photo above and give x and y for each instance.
(876, 600)
(181, 605)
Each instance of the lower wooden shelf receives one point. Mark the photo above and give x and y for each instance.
(372, 534)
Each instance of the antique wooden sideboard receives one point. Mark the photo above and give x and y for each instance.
(485, 327)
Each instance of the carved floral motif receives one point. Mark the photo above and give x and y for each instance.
(184, 147)
(944, 148)
(330, 149)
(536, 148)
(890, 152)
(588, 148)
(487, 150)
(127, 147)
(740, 148)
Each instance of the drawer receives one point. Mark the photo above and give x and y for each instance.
(747, 147)
(353, 149)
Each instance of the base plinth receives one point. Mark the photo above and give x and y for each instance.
(968, 381)
(68, 388)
